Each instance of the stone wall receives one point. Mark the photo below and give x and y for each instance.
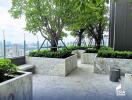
(88, 58)
(19, 88)
(103, 65)
(53, 66)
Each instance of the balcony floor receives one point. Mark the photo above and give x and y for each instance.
(82, 84)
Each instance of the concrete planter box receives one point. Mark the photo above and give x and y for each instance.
(18, 88)
(88, 58)
(103, 65)
(53, 66)
(78, 53)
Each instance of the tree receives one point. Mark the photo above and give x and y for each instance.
(44, 16)
(98, 21)
(49, 17)
(80, 36)
(90, 16)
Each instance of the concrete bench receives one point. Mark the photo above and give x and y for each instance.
(27, 67)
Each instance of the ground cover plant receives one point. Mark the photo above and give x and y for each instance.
(7, 69)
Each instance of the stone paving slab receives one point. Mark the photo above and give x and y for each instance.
(80, 85)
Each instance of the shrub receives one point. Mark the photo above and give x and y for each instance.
(106, 53)
(46, 53)
(6, 69)
(79, 47)
(94, 50)
(105, 48)
(109, 53)
(91, 50)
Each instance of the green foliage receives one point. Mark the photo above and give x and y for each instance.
(46, 53)
(50, 17)
(110, 53)
(91, 50)
(105, 48)
(88, 49)
(6, 68)
(78, 47)
(91, 16)
(46, 17)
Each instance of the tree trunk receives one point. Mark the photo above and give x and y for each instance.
(80, 34)
(98, 43)
(79, 40)
(54, 44)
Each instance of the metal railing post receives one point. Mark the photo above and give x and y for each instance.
(37, 43)
(24, 45)
(4, 45)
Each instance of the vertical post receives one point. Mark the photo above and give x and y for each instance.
(37, 43)
(4, 44)
(47, 45)
(114, 27)
(24, 45)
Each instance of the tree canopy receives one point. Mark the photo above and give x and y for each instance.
(44, 16)
(50, 17)
(91, 16)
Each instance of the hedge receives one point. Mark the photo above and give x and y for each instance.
(47, 53)
(110, 53)
(91, 50)
(79, 47)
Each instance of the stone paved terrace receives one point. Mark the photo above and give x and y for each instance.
(81, 84)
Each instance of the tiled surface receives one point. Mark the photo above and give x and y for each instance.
(82, 84)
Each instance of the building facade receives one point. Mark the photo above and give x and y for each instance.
(120, 35)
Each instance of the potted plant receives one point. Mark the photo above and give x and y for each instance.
(14, 85)
(89, 56)
(47, 62)
(108, 58)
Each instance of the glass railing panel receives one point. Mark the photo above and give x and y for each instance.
(1, 45)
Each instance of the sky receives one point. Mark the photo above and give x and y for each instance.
(14, 28)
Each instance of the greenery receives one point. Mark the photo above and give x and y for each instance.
(91, 50)
(6, 69)
(110, 53)
(78, 47)
(50, 17)
(46, 17)
(80, 35)
(89, 16)
(46, 53)
(105, 48)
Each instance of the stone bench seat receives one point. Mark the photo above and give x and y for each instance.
(26, 67)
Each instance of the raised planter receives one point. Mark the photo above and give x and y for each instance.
(127, 85)
(78, 53)
(18, 88)
(88, 58)
(103, 65)
(53, 66)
